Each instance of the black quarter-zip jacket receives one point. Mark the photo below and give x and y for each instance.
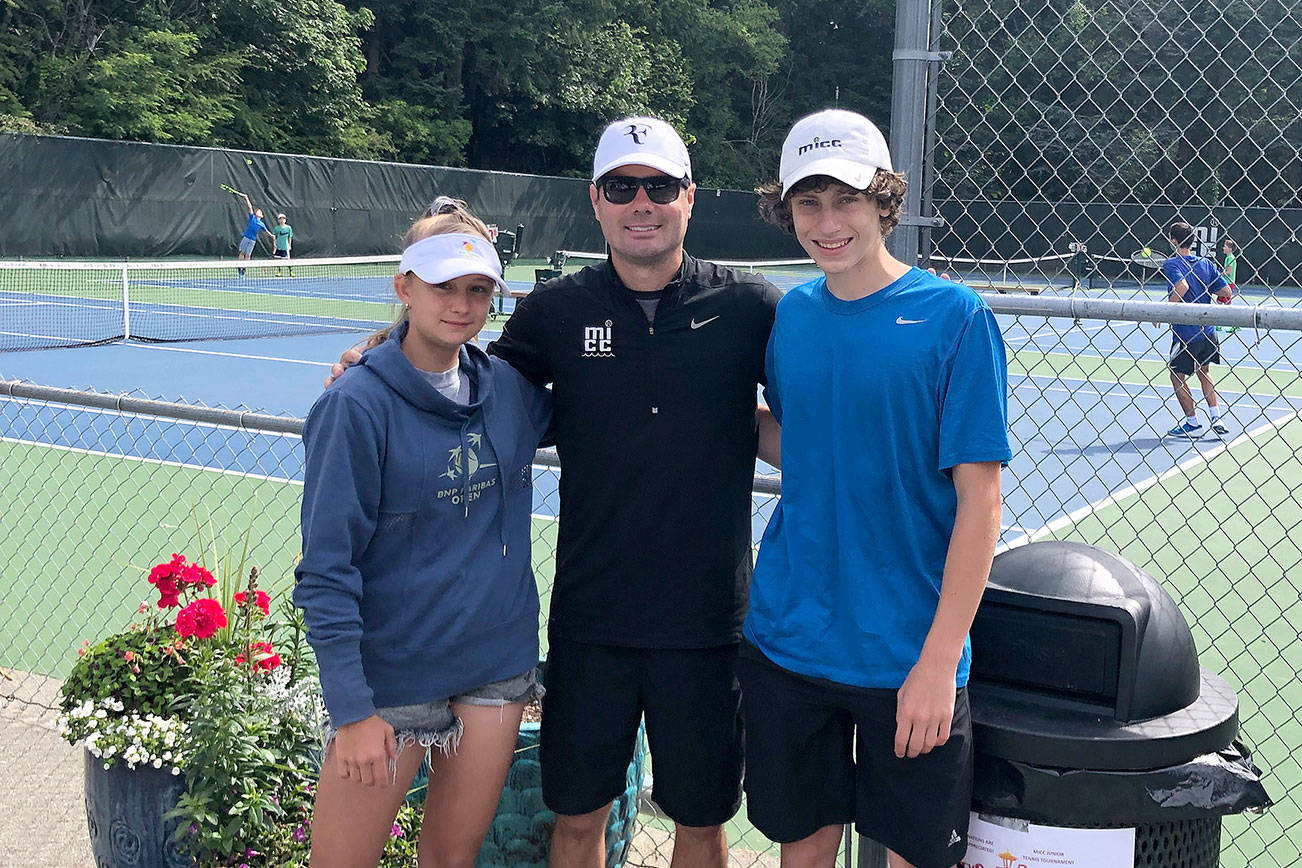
(655, 428)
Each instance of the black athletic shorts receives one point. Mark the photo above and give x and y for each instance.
(823, 754)
(1198, 352)
(597, 694)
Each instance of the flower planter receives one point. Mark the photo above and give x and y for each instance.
(124, 813)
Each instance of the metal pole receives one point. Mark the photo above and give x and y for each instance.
(908, 117)
(126, 305)
(928, 180)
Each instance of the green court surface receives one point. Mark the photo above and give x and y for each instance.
(115, 518)
(1225, 538)
(1221, 530)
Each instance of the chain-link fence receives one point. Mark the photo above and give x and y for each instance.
(99, 487)
(1070, 126)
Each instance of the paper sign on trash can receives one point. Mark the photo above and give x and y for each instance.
(1007, 843)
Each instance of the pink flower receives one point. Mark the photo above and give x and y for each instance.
(300, 835)
(129, 656)
(396, 831)
(201, 619)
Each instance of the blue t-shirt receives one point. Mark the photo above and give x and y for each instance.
(878, 399)
(1204, 279)
(254, 227)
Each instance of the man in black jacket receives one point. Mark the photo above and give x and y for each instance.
(654, 358)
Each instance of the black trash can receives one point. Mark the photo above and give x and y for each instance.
(1090, 710)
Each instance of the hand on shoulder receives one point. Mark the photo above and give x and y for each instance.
(347, 358)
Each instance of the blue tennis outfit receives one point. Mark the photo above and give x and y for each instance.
(253, 227)
(878, 399)
(1204, 279)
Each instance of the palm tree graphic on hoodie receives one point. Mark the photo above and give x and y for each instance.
(455, 464)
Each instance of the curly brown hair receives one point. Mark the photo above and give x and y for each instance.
(886, 187)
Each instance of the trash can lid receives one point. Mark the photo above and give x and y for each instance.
(1080, 657)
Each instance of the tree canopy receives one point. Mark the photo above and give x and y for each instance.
(523, 86)
(1044, 99)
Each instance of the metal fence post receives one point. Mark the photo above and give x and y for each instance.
(912, 57)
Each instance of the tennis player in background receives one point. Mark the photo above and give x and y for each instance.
(252, 230)
(890, 386)
(1231, 271)
(1194, 348)
(284, 235)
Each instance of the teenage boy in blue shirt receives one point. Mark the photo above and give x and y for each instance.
(890, 387)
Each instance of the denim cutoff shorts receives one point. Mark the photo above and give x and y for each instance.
(433, 725)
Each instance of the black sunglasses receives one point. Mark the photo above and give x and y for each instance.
(660, 189)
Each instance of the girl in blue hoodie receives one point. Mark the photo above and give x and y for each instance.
(415, 580)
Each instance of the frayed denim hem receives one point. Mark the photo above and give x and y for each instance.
(445, 741)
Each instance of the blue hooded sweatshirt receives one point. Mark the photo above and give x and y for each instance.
(416, 581)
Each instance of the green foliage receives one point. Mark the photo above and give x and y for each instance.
(250, 766)
(1093, 99)
(417, 134)
(139, 668)
(155, 88)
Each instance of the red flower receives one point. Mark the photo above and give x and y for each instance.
(169, 593)
(261, 599)
(170, 568)
(164, 577)
(193, 574)
(201, 619)
(264, 657)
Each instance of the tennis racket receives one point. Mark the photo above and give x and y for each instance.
(227, 188)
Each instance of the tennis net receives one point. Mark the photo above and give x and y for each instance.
(49, 304)
(1048, 274)
(782, 273)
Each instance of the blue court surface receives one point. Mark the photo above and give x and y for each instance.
(1089, 405)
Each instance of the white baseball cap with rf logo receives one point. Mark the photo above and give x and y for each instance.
(641, 141)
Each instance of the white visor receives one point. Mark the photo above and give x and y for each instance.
(440, 258)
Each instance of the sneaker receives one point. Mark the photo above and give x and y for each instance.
(1219, 427)
(1184, 429)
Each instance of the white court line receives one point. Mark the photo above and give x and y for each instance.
(1148, 394)
(160, 462)
(1140, 487)
(1156, 359)
(1032, 335)
(171, 349)
(62, 339)
(157, 461)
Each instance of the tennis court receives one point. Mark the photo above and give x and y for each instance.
(1089, 403)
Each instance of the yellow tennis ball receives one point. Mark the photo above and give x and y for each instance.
(1148, 251)
(248, 162)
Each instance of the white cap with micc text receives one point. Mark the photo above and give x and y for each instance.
(641, 142)
(840, 144)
